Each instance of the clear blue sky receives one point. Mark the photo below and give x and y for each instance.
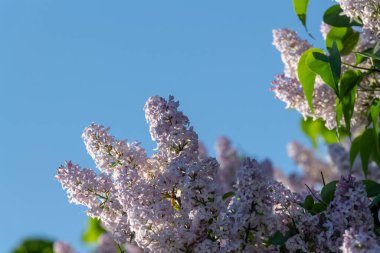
(65, 64)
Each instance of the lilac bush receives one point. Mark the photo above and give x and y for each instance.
(181, 200)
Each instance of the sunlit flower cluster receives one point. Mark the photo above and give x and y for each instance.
(172, 201)
(367, 10)
(287, 88)
(180, 199)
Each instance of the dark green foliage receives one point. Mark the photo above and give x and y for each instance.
(308, 203)
(35, 245)
(328, 191)
(333, 16)
(315, 62)
(365, 145)
(348, 86)
(372, 188)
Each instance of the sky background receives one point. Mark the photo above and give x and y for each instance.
(65, 64)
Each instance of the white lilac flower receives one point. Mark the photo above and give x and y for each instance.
(324, 29)
(229, 163)
(291, 48)
(367, 10)
(96, 192)
(260, 207)
(164, 203)
(348, 209)
(325, 231)
(287, 87)
(172, 201)
(169, 128)
(202, 151)
(290, 91)
(340, 158)
(308, 238)
(359, 242)
(62, 247)
(106, 244)
(311, 166)
(109, 153)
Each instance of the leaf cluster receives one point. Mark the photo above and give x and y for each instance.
(344, 79)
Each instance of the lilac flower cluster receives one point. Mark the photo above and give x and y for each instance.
(229, 163)
(164, 203)
(172, 201)
(347, 216)
(367, 10)
(291, 47)
(340, 158)
(359, 242)
(259, 207)
(311, 166)
(287, 88)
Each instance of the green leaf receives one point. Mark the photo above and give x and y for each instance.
(376, 49)
(228, 195)
(369, 55)
(318, 207)
(375, 111)
(334, 16)
(327, 192)
(348, 103)
(311, 128)
(93, 232)
(315, 128)
(34, 245)
(306, 76)
(362, 56)
(354, 150)
(348, 87)
(300, 8)
(277, 239)
(372, 188)
(349, 80)
(345, 37)
(308, 203)
(319, 63)
(367, 142)
(375, 202)
(335, 63)
(375, 156)
(338, 112)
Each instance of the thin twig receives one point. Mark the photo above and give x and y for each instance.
(312, 193)
(323, 179)
(357, 67)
